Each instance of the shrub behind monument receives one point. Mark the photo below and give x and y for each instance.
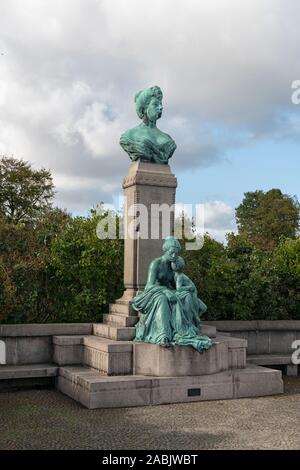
(57, 270)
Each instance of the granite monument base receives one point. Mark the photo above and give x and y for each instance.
(152, 359)
(94, 391)
(126, 373)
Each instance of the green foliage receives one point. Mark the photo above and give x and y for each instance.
(241, 282)
(86, 273)
(54, 268)
(24, 192)
(57, 270)
(285, 270)
(24, 254)
(265, 217)
(198, 262)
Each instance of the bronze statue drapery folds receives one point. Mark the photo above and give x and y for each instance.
(169, 307)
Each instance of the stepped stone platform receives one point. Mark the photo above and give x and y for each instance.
(103, 354)
(101, 366)
(94, 390)
(111, 331)
(112, 358)
(107, 369)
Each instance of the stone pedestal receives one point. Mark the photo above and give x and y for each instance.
(152, 359)
(148, 189)
(177, 361)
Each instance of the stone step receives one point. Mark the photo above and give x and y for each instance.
(107, 356)
(106, 344)
(121, 308)
(28, 371)
(114, 332)
(232, 342)
(94, 390)
(237, 350)
(120, 320)
(68, 349)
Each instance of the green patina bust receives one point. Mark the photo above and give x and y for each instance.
(146, 142)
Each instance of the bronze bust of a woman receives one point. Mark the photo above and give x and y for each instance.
(146, 142)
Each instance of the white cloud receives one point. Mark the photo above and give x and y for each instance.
(219, 219)
(70, 69)
(218, 216)
(98, 131)
(214, 217)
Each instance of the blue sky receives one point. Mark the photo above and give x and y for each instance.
(263, 165)
(69, 71)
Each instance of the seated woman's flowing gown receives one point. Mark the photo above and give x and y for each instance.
(155, 315)
(188, 310)
(177, 319)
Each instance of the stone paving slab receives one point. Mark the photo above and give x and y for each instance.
(47, 419)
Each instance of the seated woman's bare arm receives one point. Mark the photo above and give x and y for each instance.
(152, 273)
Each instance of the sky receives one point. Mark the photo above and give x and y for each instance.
(69, 70)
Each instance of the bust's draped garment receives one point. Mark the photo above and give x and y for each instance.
(146, 150)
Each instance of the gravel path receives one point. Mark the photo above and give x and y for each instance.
(47, 419)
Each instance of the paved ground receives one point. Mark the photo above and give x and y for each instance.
(46, 419)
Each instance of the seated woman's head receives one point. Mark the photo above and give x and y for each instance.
(149, 104)
(171, 248)
(178, 265)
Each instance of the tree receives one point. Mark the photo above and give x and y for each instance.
(266, 217)
(86, 272)
(28, 293)
(285, 268)
(184, 227)
(25, 193)
(198, 264)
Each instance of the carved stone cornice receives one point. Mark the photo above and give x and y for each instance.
(148, 179)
